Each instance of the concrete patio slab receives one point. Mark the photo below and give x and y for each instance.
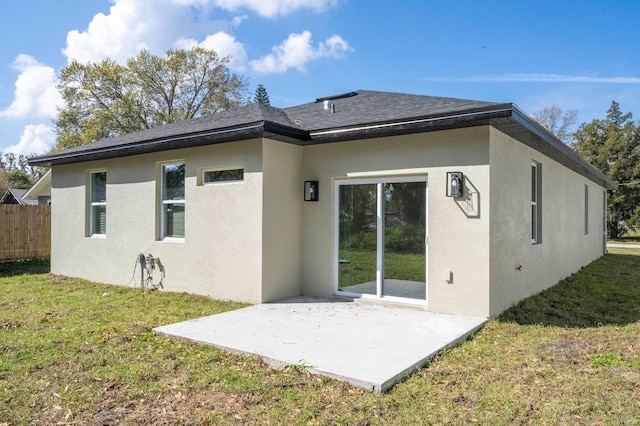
(368, 345)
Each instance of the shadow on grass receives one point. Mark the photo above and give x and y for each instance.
(21, 267)
(605, 292)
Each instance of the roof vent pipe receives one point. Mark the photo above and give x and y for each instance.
(329, 106)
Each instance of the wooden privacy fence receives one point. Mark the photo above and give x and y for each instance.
(25, 232)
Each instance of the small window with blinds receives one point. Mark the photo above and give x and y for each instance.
(98, 204)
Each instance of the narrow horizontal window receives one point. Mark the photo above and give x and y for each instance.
(219, 176)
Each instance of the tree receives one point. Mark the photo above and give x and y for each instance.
(19, 180)
(558, 121)
(261, 95)
(107, 99)
(613, 146)
(15, 172)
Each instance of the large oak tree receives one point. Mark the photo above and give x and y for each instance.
(107, 99)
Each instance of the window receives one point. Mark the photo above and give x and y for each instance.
(586, 209)
(172, 206)
(536, 202)
(98, 203)
(222, 175)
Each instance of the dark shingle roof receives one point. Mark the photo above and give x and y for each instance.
(17, 195)
(367, 107)
(353, 115)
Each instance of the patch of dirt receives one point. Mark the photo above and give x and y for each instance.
(174, 409)
(57, 279)
(526, 418)
(206, 406)
(48, 316)
(9, 325)
(463, 401)
(631, 376)
(565, 351)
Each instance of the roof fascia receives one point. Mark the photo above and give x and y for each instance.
(583, 166)
(248, 131)
(469, 118)
(34, 192)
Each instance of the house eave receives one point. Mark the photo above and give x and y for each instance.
(249, 131)
(507, 118)
(472, 118)
(528, 131)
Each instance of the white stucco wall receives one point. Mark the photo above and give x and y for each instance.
(214, 259)
(564, 247)
(282, 221)
(458, 234)
(258, 241)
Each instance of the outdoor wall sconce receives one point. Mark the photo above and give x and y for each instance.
(311, 190)
(455, 184)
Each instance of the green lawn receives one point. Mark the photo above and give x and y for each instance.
(362, 266)
(76, 352)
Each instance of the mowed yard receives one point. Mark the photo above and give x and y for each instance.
(77, 352)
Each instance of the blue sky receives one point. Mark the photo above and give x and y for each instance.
(580, 55)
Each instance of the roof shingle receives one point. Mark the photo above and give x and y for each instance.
(354, 115)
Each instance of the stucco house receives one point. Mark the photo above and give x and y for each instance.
(461, 206)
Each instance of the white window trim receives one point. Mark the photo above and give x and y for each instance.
(164, 202)
(586, 209)
(379, 182)
(535, 203)
(92, 204)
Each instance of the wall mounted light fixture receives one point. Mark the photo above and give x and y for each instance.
(455, 184)
(311, 190)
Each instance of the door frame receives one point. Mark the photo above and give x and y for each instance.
(379, 182)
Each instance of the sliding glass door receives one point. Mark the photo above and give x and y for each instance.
(381, 238)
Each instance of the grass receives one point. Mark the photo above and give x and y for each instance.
(400, 266)
(632, 237)
(76, 352)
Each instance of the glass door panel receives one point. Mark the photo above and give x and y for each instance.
(381, 237)
(357, 239)
(404, 240)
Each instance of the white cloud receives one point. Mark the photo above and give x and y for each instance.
(224, 45)
(35, 139)
(236, 21)
(35, 94)
(297, 51)
(130, 26)
(265, 8)
(157, 25)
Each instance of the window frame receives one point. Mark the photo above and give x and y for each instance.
(586, 209)
(202, 173)
(164, 202)
(94, 205)
(536, 202)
